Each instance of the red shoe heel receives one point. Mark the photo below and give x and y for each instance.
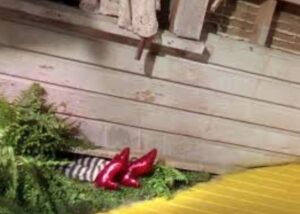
(137, 168)
(106, 178)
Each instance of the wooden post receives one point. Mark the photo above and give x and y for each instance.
(263, 22)
(187, 17)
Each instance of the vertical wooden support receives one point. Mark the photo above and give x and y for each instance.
(187, 17)
(263, 22)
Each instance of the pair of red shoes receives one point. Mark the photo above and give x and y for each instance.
(127, 173)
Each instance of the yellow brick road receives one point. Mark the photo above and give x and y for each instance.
(270, 190)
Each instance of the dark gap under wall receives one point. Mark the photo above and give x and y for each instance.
(73, 3)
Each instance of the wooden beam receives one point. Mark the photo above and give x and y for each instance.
(263, 22)
(187, 17)
(59, 16)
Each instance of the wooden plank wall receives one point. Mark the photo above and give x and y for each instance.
(286, 28)
(195, 113)
(236, 19)
(95, 25)
(233, 19)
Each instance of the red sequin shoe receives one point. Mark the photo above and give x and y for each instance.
(137, 168)
(106, 178)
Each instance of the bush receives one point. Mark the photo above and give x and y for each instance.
(31, 139)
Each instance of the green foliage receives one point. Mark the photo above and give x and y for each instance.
(7, 116)
(36, 130)
(50, 192)
(31, 137)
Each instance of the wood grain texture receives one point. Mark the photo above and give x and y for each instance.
(286, 28)
(146, 116)
(117, 56)
(254, 59)
(224, 52)
(110, 95)
(110, 82)
(235, 19)
(187, 17)
(68, 18)
(179, 151)
(263, 22)
(229, 81)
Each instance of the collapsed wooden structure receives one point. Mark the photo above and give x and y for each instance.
(213, 103)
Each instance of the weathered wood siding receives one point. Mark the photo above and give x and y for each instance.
(285, 34)
(242, 109)
(236, 18)
(233, 18)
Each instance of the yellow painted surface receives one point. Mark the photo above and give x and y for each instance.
(271, 190)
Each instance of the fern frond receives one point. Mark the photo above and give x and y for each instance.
(8, 166)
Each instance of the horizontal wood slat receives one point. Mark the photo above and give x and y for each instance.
(253, 59)
(222, 51)
(181, 110)
(143, 89)
(146, 116)
(117, 56)
(228, 80)
(214, 157)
